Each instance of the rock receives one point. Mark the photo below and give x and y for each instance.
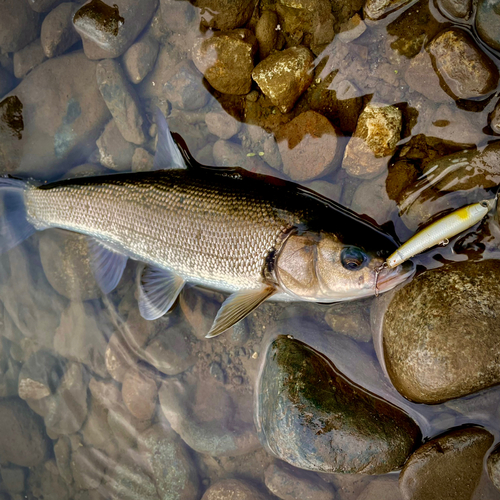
(62, 452)
(19, 25)
(378, 9)
(14, 479)
(465, 70)
(488, 22)
(58, 34)
(115, 152)
(23, 441)
(257, 140)
(119, 356)
(62, 115)
(325, 188)
(448, 466)
(170, 353)
(352, 29)
(494, 467)
(377, 133)
(140, 58)
(284, 76)
(169, 463)
(87, 466)
(185, 89)
(83, 334)
(327, 424)
(203, 413)
(129, 481)
(292, 484)
(421, 77)
(28, 58)
(226, 59)
(266, 33)
(444, 348)
(350, 319)
(495, 119)
(108, 30)
(466, 170)
(308, 146)
(139, 393)
(66, 264)
(125, 427)
(385, 488)
(43, 5)
(222, 125)
(456, 8)
(402, 174)
(229, 489)
(86, 170)
(67, 409)
(142, 160)
(45, 482)
(7, 82)
(40, 376)
(180, 17)
(96, 431)
(121, 100)
(225, 14)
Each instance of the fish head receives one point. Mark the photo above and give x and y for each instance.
(318, 267)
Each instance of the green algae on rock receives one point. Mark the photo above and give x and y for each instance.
(441, 333)
(312, 417)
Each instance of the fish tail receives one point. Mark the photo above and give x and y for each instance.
(14, 224)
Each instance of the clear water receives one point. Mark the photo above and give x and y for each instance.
(218, 381)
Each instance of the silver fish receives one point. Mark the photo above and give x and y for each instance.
(255, 237)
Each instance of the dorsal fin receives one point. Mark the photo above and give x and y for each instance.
(167, 154)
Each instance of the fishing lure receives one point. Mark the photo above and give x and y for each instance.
(440, 232)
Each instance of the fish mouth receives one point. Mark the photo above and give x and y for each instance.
(390, 278)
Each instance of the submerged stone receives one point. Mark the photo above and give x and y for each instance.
(441, 332)
(312, 417)
(488, 22)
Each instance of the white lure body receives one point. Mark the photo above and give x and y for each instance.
(441, 231)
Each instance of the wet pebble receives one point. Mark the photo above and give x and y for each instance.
(108, 30)
(226, 59)
(327, 424)
(121, 100)
(43, 5)
(23, 441)
(350, 319)
(142, 160)
(493, 465)
(169, 463)
(28, 58)
(222, 124)
(284, 76)
(185, 89)
(383, 488)
(288, 483)
(456, 8)
(58, 34)
(114, 151)
(66, 264)
(88, 466)
(466, 71)
(7, 81)
(64, 119)
(40, 376)
(441, 335)
(62, 453)
(352, 29)
(488, 22)
(139, 393)
(14, 479)
(448, 466)
(230, 489)
(374, 141)
(308, 146)
(495, 119)
(378, 9)
(140, 58)
(225, 14)
(217, 372)
(19, 25)
(266, 33)
(128, 480)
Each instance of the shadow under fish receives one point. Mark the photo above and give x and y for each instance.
(253, 236)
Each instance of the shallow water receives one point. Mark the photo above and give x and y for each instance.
(166, 372)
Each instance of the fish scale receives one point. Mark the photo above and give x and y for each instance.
(209, 229)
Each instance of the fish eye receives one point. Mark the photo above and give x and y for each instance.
(353, 258)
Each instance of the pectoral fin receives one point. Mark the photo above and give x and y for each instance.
(107, 265)
(158, 290)
(237, 306)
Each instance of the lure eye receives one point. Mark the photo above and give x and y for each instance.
(353, 258)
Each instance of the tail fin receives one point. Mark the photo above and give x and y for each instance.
(14, 226)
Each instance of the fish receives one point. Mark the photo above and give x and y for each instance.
(441, 231)
(255, 237)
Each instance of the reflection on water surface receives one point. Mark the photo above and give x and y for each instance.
(388, 107)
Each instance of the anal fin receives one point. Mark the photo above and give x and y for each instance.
(237, 306)
(107, 265)
(158, 290)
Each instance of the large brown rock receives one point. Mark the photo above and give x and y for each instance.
(19, 25)
(62, 114)
(441, 334)
(465, 70)
(447, 467)
(225, 14)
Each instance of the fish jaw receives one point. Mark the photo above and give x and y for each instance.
(389, 278)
